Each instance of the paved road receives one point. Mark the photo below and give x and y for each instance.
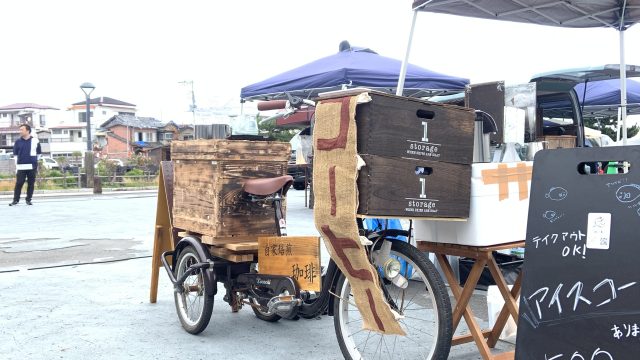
(101, 310)
(76, 229)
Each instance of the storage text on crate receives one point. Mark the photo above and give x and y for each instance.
(294, 256)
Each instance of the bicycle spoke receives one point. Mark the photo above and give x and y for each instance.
(415, 318)
(415, 328)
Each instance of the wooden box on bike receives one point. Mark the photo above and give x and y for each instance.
(404, 127)
(208, 178)
(413, 188)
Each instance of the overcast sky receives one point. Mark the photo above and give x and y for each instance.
(138, 51)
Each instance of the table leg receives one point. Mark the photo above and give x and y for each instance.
(462, 301)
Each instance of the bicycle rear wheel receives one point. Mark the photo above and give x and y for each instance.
(193, 305)
(424, 306)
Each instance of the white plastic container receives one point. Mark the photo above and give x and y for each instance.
(495, 302)
(498, 210)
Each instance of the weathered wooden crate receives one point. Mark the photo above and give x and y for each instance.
(403, 127)
(558, 141)
(208, 178)
(413, 188)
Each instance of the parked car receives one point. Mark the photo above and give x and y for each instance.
(49, 163)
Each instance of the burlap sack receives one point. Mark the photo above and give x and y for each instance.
(335, 172)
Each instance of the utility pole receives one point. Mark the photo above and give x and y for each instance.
(193, 104)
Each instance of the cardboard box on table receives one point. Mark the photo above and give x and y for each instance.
(498, 208)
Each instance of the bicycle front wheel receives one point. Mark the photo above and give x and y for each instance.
(423, 305)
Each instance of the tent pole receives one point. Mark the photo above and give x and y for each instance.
(623, 89)
(405, 61)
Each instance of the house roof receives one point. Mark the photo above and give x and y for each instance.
(103, 100)
(177, 126)
(132, 121)
(78, 126)
(22, 106)
(9, 130)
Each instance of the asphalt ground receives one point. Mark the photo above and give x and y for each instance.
(74, 284)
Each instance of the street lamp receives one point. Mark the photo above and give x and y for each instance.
(87, 89)
(193, 104)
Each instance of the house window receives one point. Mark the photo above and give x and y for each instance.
(126, 113)
(188, 137)
(42, 120)
(65, 132)
(104, 112)
(44, 141)
(56, 131)
(168, 136)
(81, 116)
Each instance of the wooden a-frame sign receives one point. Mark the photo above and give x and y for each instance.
(164, 236)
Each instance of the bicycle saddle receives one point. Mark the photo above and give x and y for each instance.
(268, 186)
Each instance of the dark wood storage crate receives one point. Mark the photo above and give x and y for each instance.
(208, 177)
(392, 187)
(395, 126)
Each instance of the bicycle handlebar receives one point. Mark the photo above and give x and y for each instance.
(272, 105)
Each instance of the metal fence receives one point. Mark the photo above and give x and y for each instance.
(77, 181)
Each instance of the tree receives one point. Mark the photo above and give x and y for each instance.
(270, 129)
(63, 161)
(76, 157)
(608, 126)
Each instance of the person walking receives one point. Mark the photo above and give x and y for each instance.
(26, 150)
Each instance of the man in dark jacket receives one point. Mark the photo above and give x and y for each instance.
(26, 151)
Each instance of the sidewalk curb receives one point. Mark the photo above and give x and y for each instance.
(82, 192)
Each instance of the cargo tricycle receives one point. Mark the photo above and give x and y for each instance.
(409, 281)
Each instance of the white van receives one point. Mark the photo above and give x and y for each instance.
(49, 163)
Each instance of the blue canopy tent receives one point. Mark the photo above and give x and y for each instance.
(600, 99)
(604, 96)
(352, 67)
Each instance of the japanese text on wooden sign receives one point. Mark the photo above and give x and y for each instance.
(294, 256)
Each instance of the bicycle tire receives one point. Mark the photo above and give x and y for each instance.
(441, 343)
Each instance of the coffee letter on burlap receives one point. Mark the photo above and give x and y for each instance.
(336, 202)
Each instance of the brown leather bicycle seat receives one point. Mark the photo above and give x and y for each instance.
(269, 186)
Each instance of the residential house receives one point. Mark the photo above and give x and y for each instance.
(101, 109)
(44, 136)
(65, 140)
(172, 131)
(11, 116)
(125, 135)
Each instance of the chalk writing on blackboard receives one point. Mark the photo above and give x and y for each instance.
(617, 182)
(628, 193)
(552, 215)
(572, 243)
(598, 354)
(625, 331)
(601, 294)
(557, 193)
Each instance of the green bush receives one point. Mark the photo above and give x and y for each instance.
(54, 173)
(135, 172)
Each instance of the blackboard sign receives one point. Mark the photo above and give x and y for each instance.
(581, 287)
